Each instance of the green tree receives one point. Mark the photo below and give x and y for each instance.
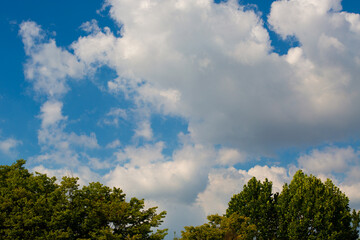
(257, 202)
(307, 208)
(34, 206)
(234, 227)
(311, 209)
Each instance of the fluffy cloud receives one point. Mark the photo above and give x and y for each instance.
(146, 172)
(51, 113)
(222, 77)
(328, 160)
(221, 69)
(341, 165)
(352, 191)
(8, 145)
(57, 145)
(278, 175)
(229, 156)
(52, 129)
(224, 183)
(49, 66)
(144, 130)
(84, 173)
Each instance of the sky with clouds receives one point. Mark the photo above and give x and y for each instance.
(181, 102)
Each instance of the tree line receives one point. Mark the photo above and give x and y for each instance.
(35, 206)
(306, 209)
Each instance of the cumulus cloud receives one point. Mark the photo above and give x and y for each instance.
(144, 171)
(48, 66)
(341, 165)
(58, 145)
(352, 191)
(277, 101)
(328, 160)
(227, 73)
(51, 113)
(228, 78)
(223, 78)
(230, 156)
(84, 173)
(224, 183)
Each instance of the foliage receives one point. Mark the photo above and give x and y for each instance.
(34, 206)
(234, 227)
(257, 202)
(307, 208)
(311, 209)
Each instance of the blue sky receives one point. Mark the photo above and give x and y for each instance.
(181, 102)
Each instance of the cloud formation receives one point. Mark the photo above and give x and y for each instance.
(213, 66)
(222, 68)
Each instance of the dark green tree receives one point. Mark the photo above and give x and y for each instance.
(307, 208)
(311, 209)
(234, 227)
(34, 206)
(257, 202)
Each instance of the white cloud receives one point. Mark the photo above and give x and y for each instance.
(114, 144)
(114, 116)
(8, 145)
(51, 113)
(48, 66)
(278, 175)
(227, 83)
(146, 172)
(31, 34)
(144, 130)
(163, 101)
(141, 156)
(328, 160)
(84, 173)
(96, 163)
(224, 183)
(56, 144)
(90, 26)
(221, 76)
(341, 165)
(353, 193)
(229, 156)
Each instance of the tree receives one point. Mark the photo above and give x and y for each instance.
(257, 202)
(34, 206)
(311, 209)
(234, 227)
(307, 208)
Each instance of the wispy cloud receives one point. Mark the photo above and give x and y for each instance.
(9, 145)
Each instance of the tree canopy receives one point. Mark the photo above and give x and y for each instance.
(307, 208)
(257, 202)
(34, 206)
(234, 227)
(311, 209)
